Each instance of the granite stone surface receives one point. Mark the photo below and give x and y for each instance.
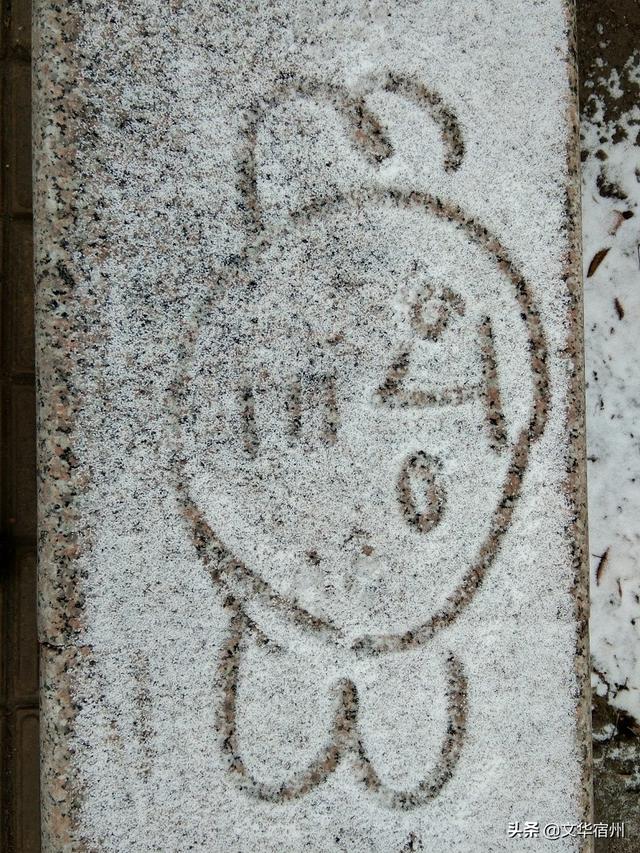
(312, 510)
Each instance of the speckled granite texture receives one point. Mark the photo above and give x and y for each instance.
(312, 516)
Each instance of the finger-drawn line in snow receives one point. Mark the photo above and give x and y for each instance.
(307, 392)
(491, 389)
(448, 303)
(364, 128)
(345, 740)
(242, 585)
(395, 392)
(423, 468)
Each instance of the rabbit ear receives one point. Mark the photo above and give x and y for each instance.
(367, 133)
(427, 99)
(365, 130)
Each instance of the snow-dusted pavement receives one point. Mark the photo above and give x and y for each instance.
(611, 237)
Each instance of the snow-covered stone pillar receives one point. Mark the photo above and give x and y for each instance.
(312, 510)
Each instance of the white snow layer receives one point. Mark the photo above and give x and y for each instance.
(611, 224)
(163, 174)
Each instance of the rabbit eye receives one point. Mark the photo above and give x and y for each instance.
(421, 496)
(432, 311)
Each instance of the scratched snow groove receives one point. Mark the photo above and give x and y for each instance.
(332, 596)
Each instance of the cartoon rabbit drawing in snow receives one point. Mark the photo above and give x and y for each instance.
(345, 462)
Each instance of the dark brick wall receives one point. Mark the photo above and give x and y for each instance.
(20, 819)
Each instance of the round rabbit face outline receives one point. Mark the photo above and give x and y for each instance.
(242, 584)
(246, 585)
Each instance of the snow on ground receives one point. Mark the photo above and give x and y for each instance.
(611, 236)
